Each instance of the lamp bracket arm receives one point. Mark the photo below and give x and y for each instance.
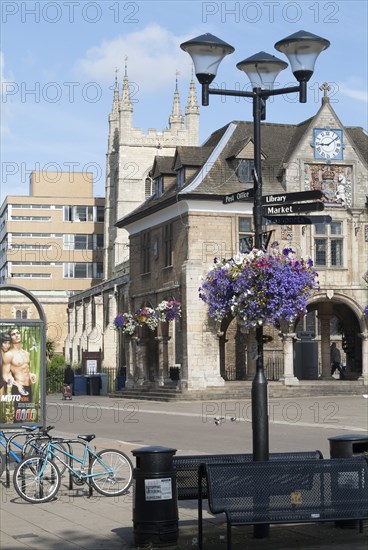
(235, 93)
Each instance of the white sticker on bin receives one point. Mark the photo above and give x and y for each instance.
(158, 489)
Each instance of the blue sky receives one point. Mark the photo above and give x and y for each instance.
(58, 62)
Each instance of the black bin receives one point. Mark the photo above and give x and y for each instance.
(155, 503)
(93, 384)
(343, 446)
(346, 446)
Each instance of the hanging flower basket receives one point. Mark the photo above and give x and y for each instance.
(167, 310)
(146, 316)
(259, 287)
(126, 323)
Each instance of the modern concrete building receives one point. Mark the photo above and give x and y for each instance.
(51, 244)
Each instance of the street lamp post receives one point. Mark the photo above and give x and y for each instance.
(302, 50)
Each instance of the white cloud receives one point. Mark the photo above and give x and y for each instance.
(6, 83)
(360, 95)
(153, 55)
(353, 88)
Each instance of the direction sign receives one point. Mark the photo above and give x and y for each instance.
(280, 210)
(238, 196)
(298, 220)
(289, 197)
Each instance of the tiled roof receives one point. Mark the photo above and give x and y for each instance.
(216, 163)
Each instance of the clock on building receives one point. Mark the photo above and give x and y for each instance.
(328, 143)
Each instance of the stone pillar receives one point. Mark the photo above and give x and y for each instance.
(69, 339)
(77, 351)
(324, 315)
(364, 375)
(86, 306)
(111, 337)
(95, 342)
(137, 363)
(288, 377)
(163, 360)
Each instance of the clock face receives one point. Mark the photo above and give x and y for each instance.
(328, 144)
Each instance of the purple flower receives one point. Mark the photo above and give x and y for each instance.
(259, 287)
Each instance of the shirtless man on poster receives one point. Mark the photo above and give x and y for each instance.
(16, 367)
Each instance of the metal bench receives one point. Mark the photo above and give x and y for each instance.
(186, 467)
(279, 491)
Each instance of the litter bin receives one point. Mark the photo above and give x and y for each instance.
(80, 385)
(346, 446)
(103, 379)
(155, 503)
(342, 446)
(93, 384)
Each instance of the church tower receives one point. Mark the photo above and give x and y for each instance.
(130, 157)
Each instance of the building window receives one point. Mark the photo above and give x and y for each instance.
(146, 242)
(168, 249)
(180, 178)
(82, 242)
(159, 186)
(31, 218)
(82, 270)
(83, 214)
(32, 275)
(328, 245)
(246, 235)
(148, 187)
(21, 314)
(100, 213)
(245, 170)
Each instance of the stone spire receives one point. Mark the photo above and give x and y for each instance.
(126, 104)
(114, 116)
(115, 101)
(192, 105)
(176, 120)
(192, 114)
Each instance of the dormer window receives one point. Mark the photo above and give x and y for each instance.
(244, 170)
(180, 178)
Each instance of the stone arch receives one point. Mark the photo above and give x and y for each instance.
(352, 324)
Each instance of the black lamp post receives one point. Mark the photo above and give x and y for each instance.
(302, 50)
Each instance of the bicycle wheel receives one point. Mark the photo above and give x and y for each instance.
(36, 446)
(36, 479)
(112, 473)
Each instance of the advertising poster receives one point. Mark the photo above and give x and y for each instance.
(20, 366)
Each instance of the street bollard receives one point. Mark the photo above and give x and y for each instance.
(155, 503)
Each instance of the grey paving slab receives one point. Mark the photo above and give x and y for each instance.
(76, 522)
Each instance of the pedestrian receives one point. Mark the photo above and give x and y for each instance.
(69, 378)
(336, 360)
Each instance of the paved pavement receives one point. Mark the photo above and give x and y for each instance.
(75, 521)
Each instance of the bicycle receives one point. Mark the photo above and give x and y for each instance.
(37, 479)
(16, 452)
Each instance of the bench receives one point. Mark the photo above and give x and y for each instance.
(186, 467)
(280, 492)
